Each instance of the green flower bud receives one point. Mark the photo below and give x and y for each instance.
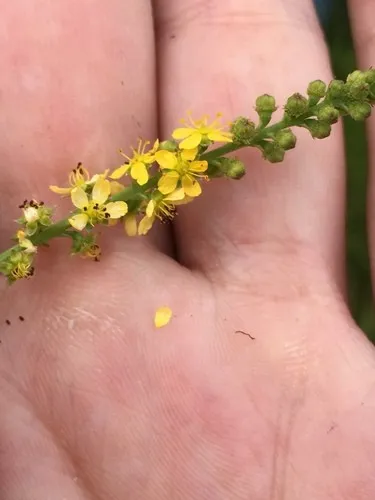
(265, 105)
(230, 167)
(317, 89)
(370, 79)
(370, 76)
(336, 89)
(359, 110)
(243, 130)
(273, 152)
(356, 77)
(318, 129)
(169, 145)
(286, 139)
(328, 113)
(296, 105)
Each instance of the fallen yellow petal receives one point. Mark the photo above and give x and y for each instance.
(163, 316)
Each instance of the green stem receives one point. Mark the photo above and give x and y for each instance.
(132, 193)
(260, 134)
(137, 193)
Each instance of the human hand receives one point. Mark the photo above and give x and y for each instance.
(95, 402)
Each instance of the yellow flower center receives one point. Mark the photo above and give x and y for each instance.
(95, 212)
(78, 176)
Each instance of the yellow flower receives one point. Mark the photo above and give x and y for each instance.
(200, 130)
(162, 316)
(163, 209)
(78, 177)
(180, 167)
(138, 163)
(95, 210)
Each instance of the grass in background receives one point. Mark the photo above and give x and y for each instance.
(359, 283)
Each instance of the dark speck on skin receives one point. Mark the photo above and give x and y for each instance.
(172, 37)
(21, 318)
(7, 321)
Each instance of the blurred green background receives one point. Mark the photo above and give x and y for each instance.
(338, 34)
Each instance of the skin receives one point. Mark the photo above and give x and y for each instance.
(96, 403)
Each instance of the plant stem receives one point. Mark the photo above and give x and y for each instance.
(137, 193)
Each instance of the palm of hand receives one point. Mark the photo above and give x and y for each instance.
(98, 405)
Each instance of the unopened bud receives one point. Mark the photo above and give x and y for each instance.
(359, 111)
(336, 89)
(317, 89)
(273, 152)
(243, 130)
(318, 129)
(286, 139)
(265, 106)
(328, 113)
(296, 105)
(356, 77)
(230, 167)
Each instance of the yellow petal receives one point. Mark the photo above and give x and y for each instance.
(101, 191)
(163, 316)
(79, 221)
(145, 225)
(130, 225)
(182, 133)
(59, 190)
(177, 195)
(198, 166)
(218, 136)
(116, 209)
(192, 141)
(166, 159)
(168, 182)
(116, 187)
(95, 177)
(191, 186)
(120, 171)
(150, 208)
(189, 154)
(79, 198)
(139, 173)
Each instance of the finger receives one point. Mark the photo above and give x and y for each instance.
(363, 31)
(77, 83)
(218, 56)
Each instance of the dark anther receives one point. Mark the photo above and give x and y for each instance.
(41, 203)
(85, 209)
(107, 215)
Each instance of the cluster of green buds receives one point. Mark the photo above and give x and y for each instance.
(321, 107)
